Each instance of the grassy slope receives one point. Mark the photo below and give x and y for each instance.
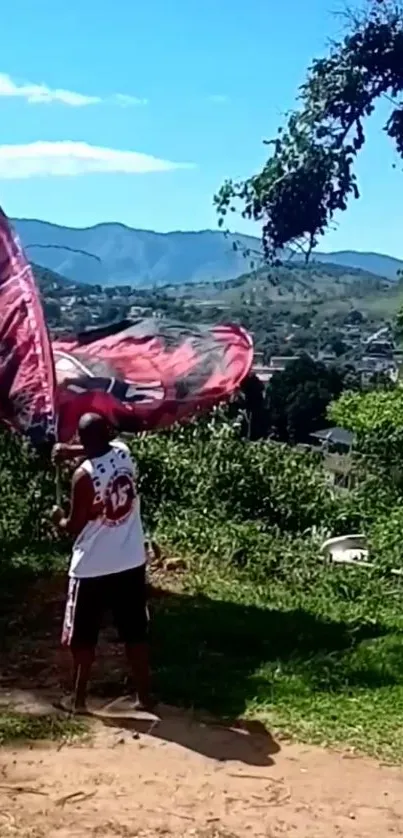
(323, 664)
(331, 287)
(48, 280)
(298, 285)
(379, 305)
(318, 656)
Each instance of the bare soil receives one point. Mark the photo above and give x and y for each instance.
(173, 774)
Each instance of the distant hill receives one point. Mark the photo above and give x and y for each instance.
(113, 254)
(375, 263)
(314, 283)
(48, 281)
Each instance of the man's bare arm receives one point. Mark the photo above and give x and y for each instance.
(81, 505)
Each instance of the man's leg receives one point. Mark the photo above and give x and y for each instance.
(130, 614)
(138, 659)
(82, 619)
(82, 664)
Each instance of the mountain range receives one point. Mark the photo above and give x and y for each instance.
(113, 254)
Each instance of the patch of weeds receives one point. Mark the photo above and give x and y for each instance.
(26, 727)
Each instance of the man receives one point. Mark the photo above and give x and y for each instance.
(108, 564)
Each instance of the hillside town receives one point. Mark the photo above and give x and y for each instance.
(70, 308)
(376, 355)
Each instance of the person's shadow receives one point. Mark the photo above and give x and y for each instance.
(214, 659)
(241, 741)
(210, 656)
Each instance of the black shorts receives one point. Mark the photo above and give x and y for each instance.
(88, 600)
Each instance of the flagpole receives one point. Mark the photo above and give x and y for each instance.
(58, 485)
(58, 491)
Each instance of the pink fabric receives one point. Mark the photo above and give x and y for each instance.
(27, 378)
(143, 377)
(150, 375)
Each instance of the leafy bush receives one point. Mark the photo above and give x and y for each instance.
(208, 467)
(376, 419)
(377, 410)
(204, 489)
(385, 539)
(26, 492)
(206, 492)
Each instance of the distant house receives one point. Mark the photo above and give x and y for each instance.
(335, 445)
(327, 358)
(263, 372)
(375, 364)
(277, 363)
(138, 311)
(335, 439)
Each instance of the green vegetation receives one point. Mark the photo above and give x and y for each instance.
(257, 625)
(287, 310)
(375, 411)
(292, 283)
(26, 727)
(310, 174)
(316, 655)
(298, 397)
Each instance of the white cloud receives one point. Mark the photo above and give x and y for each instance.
(69, 159)
(41, 94)
(127, 101)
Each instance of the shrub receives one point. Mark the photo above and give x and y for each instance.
(27, 486)
(385, 539)
(205, 491)
(211, 468)
(243, 545)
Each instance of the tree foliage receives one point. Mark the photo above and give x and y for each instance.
(203, 488)
(310, 173)
(375, 411)
(251, 403)
(376, 419)
(298, 398)
(207, 492)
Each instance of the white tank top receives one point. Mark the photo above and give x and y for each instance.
(114, 540)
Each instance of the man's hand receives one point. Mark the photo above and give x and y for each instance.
(63, 452)
(59, 453)
(57, 515)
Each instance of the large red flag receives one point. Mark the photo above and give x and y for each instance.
(149, 374)
(141, 376)
(27, 378)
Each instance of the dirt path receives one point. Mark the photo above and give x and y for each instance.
(177, 776)
(173, 775)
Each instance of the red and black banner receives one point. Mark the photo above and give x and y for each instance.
(141, 375)
(148, 374)
(27, 378)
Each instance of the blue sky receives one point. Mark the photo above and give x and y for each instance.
(169, 82)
